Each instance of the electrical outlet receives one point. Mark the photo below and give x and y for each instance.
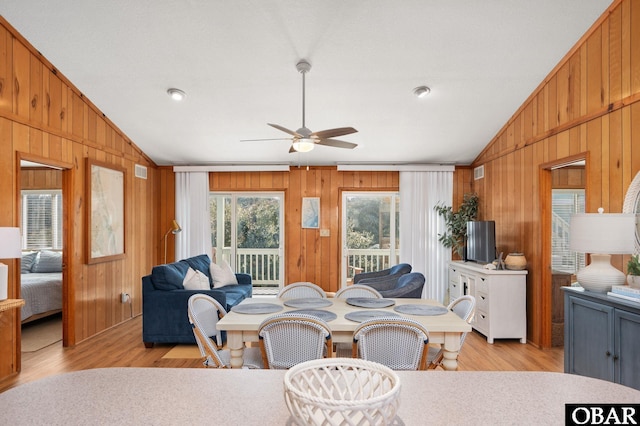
(124, 297)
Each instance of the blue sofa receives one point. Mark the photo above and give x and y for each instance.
(164, 300)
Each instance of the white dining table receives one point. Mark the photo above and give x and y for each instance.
(194, 396)
(444, 329)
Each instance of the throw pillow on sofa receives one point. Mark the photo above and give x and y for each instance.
(222, 275)
(195, 280)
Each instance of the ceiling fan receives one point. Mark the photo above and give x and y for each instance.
(304, 140)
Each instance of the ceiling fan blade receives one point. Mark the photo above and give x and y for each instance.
(332, 133)
(291, 132)
(336, 143)
(291, 150)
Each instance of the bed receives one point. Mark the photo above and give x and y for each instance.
(41, 284)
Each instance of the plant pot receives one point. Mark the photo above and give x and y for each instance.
(515, 261)
(633, 281)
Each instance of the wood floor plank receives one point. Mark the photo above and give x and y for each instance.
(122, 346)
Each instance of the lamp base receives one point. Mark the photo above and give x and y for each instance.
(599, 275)
(4, 274)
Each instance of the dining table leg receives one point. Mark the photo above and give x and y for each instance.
(235, 344)
(451, 348)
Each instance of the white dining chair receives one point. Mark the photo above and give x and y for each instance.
(343, 350)
(398, 343)
(357, 290)
(289, 339)
(301, 290)
(464, 307)
(204, 312)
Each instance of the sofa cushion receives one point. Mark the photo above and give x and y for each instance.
(48, 261)
(199, 263)
(169, 276)
(222, 275)
(196, 280)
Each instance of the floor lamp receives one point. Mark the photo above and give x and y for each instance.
(9, 249)
(175, 228)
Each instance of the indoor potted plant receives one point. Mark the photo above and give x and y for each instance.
(456, 223)
(633, 272)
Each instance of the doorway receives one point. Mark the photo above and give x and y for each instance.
(563, 193)
(370, 232)
(247, 231)
(43, 279)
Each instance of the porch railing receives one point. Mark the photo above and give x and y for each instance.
(262, 264)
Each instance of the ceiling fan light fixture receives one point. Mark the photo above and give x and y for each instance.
(176, 94)
(303, 145)
(421, 91)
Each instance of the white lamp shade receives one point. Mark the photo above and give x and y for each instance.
(10, 246)
(610, 233)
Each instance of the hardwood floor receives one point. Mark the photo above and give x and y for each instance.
(122, 347)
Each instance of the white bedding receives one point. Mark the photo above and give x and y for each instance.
(42, 292)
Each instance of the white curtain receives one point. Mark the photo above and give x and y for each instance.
(420, 225)
(192, 214)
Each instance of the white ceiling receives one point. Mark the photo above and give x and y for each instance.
(236, 62)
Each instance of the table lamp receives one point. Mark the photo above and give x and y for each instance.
(175, 228)
(602, 235)
(9, 249)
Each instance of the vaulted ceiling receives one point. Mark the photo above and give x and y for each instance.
(236, 62)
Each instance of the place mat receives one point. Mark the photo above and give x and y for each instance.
(421, 309)
(308, 302)
(319, 313)
(370, 302)
(360, 316)
(256, 308)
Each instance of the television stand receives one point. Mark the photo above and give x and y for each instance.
(501, 299)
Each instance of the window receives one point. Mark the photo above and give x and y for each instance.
(565, 202)
(41, 219)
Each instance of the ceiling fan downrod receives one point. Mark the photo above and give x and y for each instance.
(303, 68)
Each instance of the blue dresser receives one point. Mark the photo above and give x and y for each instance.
(602, 337)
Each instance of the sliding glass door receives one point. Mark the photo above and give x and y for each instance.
(370, 232)
(247, 231)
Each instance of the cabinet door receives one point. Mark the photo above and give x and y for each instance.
(589, 344)
(627, 361)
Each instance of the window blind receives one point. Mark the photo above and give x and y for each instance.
(565, 202)
(41, 219)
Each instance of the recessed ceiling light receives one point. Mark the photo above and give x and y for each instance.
(421, 91)
(176, 94)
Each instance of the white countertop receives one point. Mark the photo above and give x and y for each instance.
(180, 396)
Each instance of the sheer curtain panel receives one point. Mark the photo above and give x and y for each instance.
(192, 213)
(420, 192)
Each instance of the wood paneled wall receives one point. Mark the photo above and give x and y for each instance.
(309, 257)
(44, 118)
(37, 178)
(586, 108)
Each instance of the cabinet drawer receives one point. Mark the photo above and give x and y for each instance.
(482, 302)
(481, 321)
(482, 285)
(454, 291)
(454, 275)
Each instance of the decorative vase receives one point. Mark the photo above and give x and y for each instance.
(633, 281)
(515, 261)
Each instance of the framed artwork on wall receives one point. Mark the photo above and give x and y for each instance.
(311, 212)
(105, 212)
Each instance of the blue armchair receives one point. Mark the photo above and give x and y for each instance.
(407, 286)
(385, 275)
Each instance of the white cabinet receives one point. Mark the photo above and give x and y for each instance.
(501, 299)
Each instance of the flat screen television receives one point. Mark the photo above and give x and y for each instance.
(481, 241)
